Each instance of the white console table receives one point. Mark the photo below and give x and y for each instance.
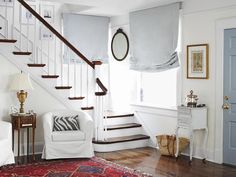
(192, 119)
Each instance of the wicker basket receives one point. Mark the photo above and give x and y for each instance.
(167, 144)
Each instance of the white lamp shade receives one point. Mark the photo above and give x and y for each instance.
(21, 81)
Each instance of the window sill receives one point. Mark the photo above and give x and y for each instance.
(145, 105)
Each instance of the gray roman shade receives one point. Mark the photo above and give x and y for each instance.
(154, 38)
(89, 34)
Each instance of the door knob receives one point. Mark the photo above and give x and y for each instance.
(226, 97)
(225, 106)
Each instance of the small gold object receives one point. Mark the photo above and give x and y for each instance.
(225, 106)
(22, 95)
(20, 83)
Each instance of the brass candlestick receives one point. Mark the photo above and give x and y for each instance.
(22, 95)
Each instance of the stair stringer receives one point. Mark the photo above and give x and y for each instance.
(21, 63)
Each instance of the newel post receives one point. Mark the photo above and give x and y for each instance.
(98, 108)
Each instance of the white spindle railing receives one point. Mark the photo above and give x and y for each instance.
(60, 60)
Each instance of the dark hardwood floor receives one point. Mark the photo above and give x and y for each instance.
(149, 160)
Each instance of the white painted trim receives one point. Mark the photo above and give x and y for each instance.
(221, 25)
(168, 111)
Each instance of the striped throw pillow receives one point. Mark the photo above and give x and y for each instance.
(65, 123)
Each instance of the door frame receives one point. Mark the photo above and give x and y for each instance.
(221, 25)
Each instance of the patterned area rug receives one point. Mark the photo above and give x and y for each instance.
(94, 167)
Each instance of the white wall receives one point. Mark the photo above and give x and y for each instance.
(199, 20)
(199, 26)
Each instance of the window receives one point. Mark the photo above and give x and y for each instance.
(159, 89)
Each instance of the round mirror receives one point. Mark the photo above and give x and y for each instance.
(120, 45)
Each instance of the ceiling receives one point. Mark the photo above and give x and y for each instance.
(110, 7)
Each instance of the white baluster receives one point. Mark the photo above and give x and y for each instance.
(62, 57)
(48, 57)
(68, 66)
(87, 85)
(55, 55)
(6, 14)
(41, 43)
(20, 31)
(13, 19)
(27, 33)
(81, 77)
(75, 76)
(35, 44)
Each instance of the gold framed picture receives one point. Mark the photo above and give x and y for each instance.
(197, 61)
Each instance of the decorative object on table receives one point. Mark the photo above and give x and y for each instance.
(120, 45)
(27, 18)
(197, 61)
(45, 34)
(167, 144)
(72, 167)
(191, 99)
(6, 3)
(20, 83)
(13, 110)
(47, 12)
(19, 122)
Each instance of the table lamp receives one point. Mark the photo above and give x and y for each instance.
(20, 83)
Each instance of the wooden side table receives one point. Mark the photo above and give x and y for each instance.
(22, 121)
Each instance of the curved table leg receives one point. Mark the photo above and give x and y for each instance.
(205, 144)
(191, 144)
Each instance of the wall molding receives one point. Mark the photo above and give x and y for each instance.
(220, 26)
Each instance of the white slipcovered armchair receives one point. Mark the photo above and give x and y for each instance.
(68, 144)
(6, 154)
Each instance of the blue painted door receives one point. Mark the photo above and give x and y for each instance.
(229, 152)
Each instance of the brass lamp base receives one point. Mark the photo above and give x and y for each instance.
(22, 95)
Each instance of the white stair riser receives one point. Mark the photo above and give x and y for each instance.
(124, 132)
(120, 120)
(120, 146)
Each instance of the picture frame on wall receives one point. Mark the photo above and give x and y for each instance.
(45, 34)
(8, 3)
(197, 61)
(26, 16)
(47, 12)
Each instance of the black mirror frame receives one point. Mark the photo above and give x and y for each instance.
(127, 40)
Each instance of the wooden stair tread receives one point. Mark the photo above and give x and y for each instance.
(8, 40)
(87, 108)
(112, 114)
(63, 87)
(76, 98)
(50, 76)
(123, 126)
(100, 93)
(22, 53)
(36, 65)
(122, 139)
(97, 62)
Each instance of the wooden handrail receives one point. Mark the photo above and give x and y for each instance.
(55, 32)
(100, 84)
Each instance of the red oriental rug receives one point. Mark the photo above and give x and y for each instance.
(94, 167)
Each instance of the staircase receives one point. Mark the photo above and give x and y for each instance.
(123, 132)
(74, 81)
